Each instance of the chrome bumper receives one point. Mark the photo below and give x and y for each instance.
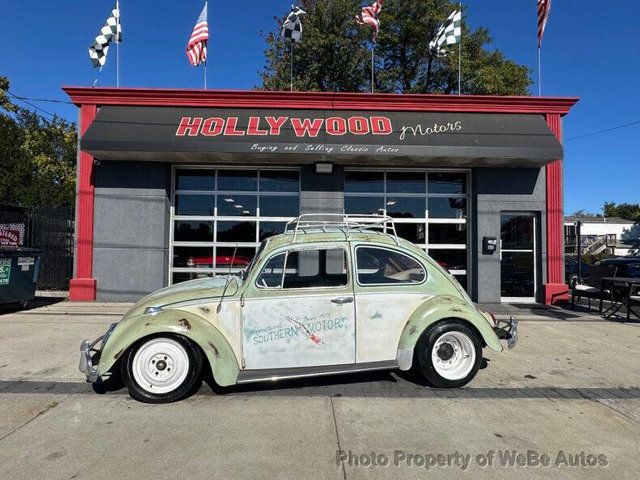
(507, 330)
(86, 359)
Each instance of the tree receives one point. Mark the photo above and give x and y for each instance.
(335, 53)
(582, 213)
(37, 156)
(628, 211)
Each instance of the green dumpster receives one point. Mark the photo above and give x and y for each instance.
(19, 270)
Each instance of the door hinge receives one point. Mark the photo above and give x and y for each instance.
(242, 300)
(243, 363)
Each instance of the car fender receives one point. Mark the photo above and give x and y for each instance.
(434, 310)
(220, 355)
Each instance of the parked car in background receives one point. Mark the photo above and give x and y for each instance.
(624, 266)
(571, 271)
(325, 297)
(222, 261)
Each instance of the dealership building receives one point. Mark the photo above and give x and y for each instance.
(170, 182)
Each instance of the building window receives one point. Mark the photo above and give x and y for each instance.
(216, 209)
(429, 208)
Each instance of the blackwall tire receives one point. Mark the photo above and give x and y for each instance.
(162, 368)
(449, 354)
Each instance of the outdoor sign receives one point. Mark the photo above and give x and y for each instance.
(11, 234)
(5, 271)
(139, 130)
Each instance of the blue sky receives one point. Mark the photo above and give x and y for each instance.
(590, 51)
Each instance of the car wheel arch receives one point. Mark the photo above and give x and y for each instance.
(217, 350)
(436, 311)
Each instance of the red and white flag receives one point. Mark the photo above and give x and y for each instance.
(543, 14)
(369, 16)
(197, 46)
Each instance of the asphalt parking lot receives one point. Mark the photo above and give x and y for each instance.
(564, 404)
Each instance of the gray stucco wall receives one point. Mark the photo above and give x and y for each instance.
(131, 229)
(497, 190)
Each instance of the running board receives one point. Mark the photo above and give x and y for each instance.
(275, 374)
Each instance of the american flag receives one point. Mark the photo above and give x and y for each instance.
(369, 16)
(197, 46)
(543, 14)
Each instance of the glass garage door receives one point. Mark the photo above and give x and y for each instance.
(429, 209)
(214, 209)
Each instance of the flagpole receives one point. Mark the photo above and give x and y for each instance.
(373, 50)
(118, 46)
(206, 6)
(539, 72)
(460, 55)
(117, 64)
(291, 65)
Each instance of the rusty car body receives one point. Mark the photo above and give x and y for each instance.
(330, 295)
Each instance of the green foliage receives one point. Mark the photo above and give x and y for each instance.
(37, 156)
(335, 53)
(592, 259)
(582, 213)
(628, 211)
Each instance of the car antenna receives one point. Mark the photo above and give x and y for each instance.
(226, 284)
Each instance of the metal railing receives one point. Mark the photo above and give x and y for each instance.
(341, 222)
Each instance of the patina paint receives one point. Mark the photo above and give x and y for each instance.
(282, 331)
(300, 327)
(380, 318)
(221, 357)
(441, 308)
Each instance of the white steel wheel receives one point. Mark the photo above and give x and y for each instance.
(160, 365)
(453, 355)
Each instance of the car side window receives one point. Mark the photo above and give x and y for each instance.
(326, 267)
(377, 266)
(271, 274)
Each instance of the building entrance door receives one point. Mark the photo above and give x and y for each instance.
(518, 257)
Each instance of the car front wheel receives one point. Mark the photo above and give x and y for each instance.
(162, 369)
(449, 354)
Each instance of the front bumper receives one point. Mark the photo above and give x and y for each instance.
(88, 356)
(507, 330)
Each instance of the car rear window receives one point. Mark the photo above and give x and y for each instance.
(382, 266)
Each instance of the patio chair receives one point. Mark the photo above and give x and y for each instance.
(633, 299)
(593, 289)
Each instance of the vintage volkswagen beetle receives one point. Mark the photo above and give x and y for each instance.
(325, 297)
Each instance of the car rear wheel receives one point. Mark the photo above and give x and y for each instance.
(449, 354)
(162, 369)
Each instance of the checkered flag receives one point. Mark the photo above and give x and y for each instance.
(111, 32)
(449, 33)
(292, 26)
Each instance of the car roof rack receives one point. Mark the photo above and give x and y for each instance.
(343, 222)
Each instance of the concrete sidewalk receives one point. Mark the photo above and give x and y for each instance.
(570, 389)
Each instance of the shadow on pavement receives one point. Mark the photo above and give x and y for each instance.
(372, 385)
(37, 302)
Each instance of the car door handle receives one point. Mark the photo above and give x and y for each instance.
(342, 300)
